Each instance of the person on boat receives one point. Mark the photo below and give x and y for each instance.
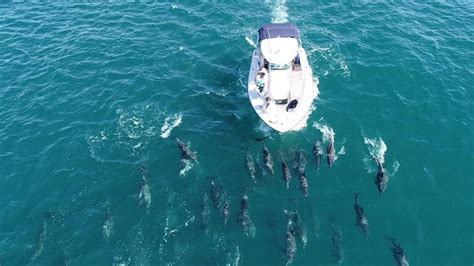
(260, 79)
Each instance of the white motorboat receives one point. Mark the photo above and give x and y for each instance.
(281, 87)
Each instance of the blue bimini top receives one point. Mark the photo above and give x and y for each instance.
(276, 30)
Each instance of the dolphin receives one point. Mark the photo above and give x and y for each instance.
(225, 211)
(286, 172)
(290, 242)
(301, 161)
(381, 179)
(144, 197)
(267, 159)
(233, 258)
(336, 239)
(205, 213)
(398, 253)
(315, 222)
(331, 152)
(299, 226)
(251, 167)
(41, 237)
(107, 227)
(216, 195)
(244, 217)
(303, 183)
(361, 220)
(186, 152)
(317, 152)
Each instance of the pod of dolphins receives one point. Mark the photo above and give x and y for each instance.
(296, 229)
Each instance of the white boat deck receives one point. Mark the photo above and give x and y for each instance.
(302, 89)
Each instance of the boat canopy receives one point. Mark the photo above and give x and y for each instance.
(275, 30)
(280, 50)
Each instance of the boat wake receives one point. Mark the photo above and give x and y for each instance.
(263, 128)
(279, 10)
(316, 87)
(335, 61)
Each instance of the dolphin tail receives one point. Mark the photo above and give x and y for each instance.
(393, 240)
(356, 196)
(282, 156)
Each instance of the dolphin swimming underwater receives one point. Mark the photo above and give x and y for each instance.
(244, 217)
(336, 239)
(299, 227)
(361, 220)
(290, 242)
(303, 183)
(267, 159)
(317, 153)
(216, 194)
(186, 152)
(285, 172)
(398, 253)
(331, 152)
(249, 162)
(144, 197)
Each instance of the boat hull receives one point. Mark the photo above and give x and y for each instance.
(302, 89)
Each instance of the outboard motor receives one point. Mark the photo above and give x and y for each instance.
(292, 104)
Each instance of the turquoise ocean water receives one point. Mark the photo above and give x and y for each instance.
(92, 92)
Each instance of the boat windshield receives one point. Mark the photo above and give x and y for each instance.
(279, 66)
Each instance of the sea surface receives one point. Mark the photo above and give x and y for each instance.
(94, 95)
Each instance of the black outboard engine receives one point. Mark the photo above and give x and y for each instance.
(292, 104)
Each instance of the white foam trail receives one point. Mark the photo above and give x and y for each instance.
(326, 131)
(301, 125)
(335, 59)
(119, 261)
(316, 87)
(145, 196)
(40, 245)
(377, 148)
(107, 228)
(177, 228)
(137, 148)
(234, 258)
(419, 229)
(342, 151)
(263, 128)
(95, 142)
(279, 11)
(368, 165)
(186, 166)
(250, 41)
(395, 167)
(170, 124)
